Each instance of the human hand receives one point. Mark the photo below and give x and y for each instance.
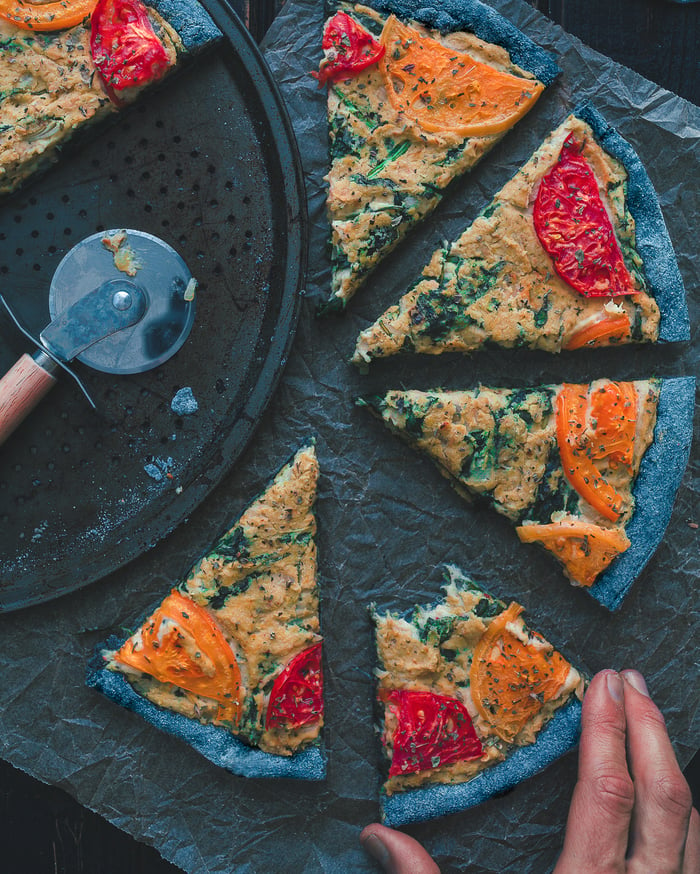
(631, 811)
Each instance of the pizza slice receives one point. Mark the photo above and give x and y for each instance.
(231, 658)
(67, 65)
(588, 472)
(572, 252)
(410, 108)
(472, 702)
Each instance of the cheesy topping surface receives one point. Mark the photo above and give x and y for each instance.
(497, 284)
(431, 650)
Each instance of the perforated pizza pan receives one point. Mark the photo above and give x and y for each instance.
(206, 162)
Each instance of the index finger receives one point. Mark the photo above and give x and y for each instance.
(601, 808)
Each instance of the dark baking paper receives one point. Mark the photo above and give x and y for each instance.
(387, 523)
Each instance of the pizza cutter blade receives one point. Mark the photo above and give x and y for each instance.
(120, 301)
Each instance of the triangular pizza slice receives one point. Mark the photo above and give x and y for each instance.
(409, 109)
(472, 702)
(572, 252)
(65, 66)
(231, 658)
(589, 472)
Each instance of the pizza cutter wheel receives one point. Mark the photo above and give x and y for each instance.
(120, 301)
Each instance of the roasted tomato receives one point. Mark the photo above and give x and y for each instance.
(605, 329)
(182, 644)
(348, 49)
(445, 90)
(52, 15)
(432, 730)
(125, 48)
(589, 429)
(584, 549)
(296, 698)
(575, 229)
(612, 422)
(511, 680)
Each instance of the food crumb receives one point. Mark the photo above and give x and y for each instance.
(184, 403)
(158, 468)
(693, 525)
(125, 259)
(190, 290)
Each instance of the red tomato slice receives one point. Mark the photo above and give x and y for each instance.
(182, 644)
(433, 730)
(348, 48)
(296, 698)
(125, 48)
(575, 229)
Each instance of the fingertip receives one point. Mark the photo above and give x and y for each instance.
(396, 852)
(636, 681)
(606, 687)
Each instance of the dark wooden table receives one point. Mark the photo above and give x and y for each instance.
(43, 830)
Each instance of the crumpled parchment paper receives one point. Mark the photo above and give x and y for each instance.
(387, 521)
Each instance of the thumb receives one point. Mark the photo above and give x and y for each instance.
(396, 852)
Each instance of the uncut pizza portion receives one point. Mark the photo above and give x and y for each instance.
(65, 66)
(571, 253)
(231, 659)
(588, 472)
(472, 702)
(410, 108)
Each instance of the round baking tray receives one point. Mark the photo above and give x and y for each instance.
(208, 163)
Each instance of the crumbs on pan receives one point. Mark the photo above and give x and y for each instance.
(159, 468)
(184, 403)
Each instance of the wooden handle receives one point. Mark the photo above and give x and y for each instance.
(21, 389)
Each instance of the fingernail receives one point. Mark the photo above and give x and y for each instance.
(616, 687)
(636, 681)
(377, 850)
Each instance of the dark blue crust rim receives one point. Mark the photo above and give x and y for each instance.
(211, 741)
(653, 241)
(660, 475)
(417, 805)
(191, 20)
(481, 20)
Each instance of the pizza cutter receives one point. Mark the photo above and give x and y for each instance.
(120, 301)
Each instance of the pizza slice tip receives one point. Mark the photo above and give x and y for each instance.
(231, 659)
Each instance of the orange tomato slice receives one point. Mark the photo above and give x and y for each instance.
(511, 680)
(576, 454)
(612, 417)
(609, 329)
(182, 644)
(53, 15)
(584, 549)
(445, 90)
